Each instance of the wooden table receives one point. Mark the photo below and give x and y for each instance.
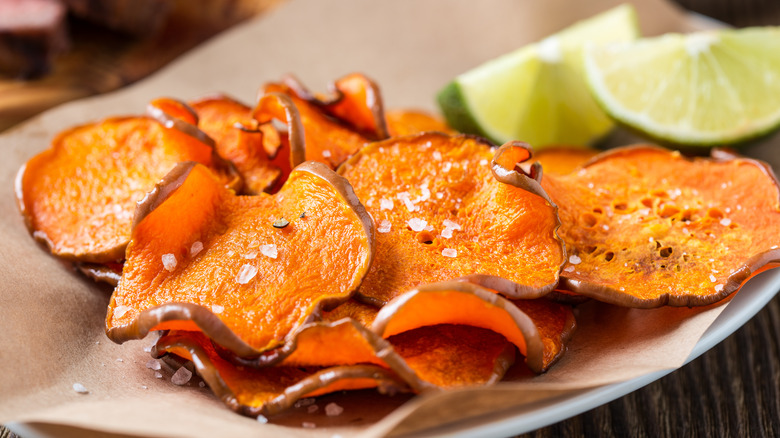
(732, 390)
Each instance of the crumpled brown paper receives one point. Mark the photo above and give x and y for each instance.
(52, 319)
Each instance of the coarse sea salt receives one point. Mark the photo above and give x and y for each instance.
(718, 288)
(169, 261)
(181, 376)
(269, 251)
(417, 224)
(216, 308)
(437, 155)
(153, 364)
(712, 278)
(384, 226)
(250, 255)
(119, 311)
(196, 247)
(450, 224)
(245, 274)
(574, 259)
(81, 389)
(262, 419)
(446, 233)
(386, 204)
(326, 154)
(449, 252)
(725, 222)
(333, 410)
(569, 269)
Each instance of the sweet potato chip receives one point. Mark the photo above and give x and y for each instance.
(79, 195)
(647, 227)
(271, 390)
(560, 160)
(407, 122)
(441, 212)
(246, 270)
(337, 127)
(260, 155)
(538, 328)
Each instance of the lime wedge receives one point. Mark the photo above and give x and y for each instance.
(537, 93)
(701, 89)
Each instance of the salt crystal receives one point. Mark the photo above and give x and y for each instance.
(574, 260)
(718, 288)
(437, 155)
(405, 197)
(651, 240)
(196, 247)
(439, 195)
(202, 384)
(446, 167)
(326, 154)
(728, 209)
(483, 162)
(449, 252)
(605, 227)
(712, 278)
(181, 376)
(250, 255)
(304, 402)
(144, 387)
(675, 193)
(158, 375)
(169, 261)
(569, 269)
(308, 425)
(723, 186)
(685, 230)
(725, 222)
(245, 274)
(216, 308)
(446, 233)
(386, 204)
(269, 250)
(450, 224)
(312, 409)
(644, 211)
(119, 359)
(416, 224)
(333, 410)
(120, 310)
(78, 387)
(590, 185)
(384, 226)
(153, 364)
(262, 419)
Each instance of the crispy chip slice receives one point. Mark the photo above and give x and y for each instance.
(336, 127)
(257, 150)
(441, 212)
(271, 390)
(79, 195)
(648, 227)
(538, 328)
(407, 122)
(246, 270)
(560, 160)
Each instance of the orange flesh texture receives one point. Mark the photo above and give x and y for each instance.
(504, 230)
(451, 356)
(330, 345)
(254, 387)
(360, 312)
(175, 108)
(246, 149)
(554, 322)
(452, 307)
(80, 194)
(355, 105)
(406, 122)
(560, 160)
(320, 258)
(328, 141)
(646, 223)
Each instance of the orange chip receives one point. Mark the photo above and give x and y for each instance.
(647, 227)
(271, 390)
(246, 270)
(441, 212)
(407, 122)
(252, 147)
(560, 160)
(538, 328)
(337, 127)
(78, 196)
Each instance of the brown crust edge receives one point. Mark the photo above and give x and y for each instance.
(295, 132)
(534, 345)
(754, 263)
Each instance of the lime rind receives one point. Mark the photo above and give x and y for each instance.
(704, 89)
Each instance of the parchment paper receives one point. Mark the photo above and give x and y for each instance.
(52, 319)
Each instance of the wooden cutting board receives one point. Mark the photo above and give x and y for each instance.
(100, 60)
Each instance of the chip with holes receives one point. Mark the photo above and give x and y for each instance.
(446, 209)
(202, 258)
(646, 227)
